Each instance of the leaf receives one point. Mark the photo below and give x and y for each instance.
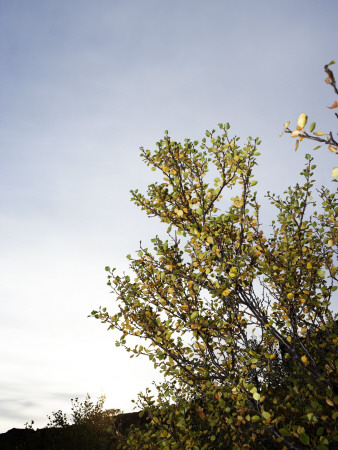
(256, 396)
(253, 183)
(331, 62)
(304, 438)
(334, 172)
(297, 144)
(301, 122)
(321, 273)
(284, 432)
(286, 125)
(334, 105)
(312, 127)
(319, 133)
(194, 315)
(265, 414)
(255, 418)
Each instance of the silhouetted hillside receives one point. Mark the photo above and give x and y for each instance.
(71, 437)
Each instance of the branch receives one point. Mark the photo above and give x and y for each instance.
(330, 79)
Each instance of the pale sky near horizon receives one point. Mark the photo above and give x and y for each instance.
(83, 85)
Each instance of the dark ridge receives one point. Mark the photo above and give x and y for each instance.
(72, 437)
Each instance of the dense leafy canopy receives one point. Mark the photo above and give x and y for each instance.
(235, 315)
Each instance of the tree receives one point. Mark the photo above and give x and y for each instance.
(91, 427)
(318, 136)
(235, 317)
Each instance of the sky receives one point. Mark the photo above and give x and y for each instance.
(83, 85)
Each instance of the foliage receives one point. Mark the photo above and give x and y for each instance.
(87, 413)
(91, 427)
(235, 317)
(318, 136)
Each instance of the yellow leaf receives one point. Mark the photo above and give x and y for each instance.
(304, 359)
(319, 133)
(332, 148)
(295, 133)
(286, 125)
(334, 172)
(301, 122)
(330, 242)
(290, 296)
(329, 402)
(309, 265)
(210, 240)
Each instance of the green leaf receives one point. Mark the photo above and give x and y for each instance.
(256, 396)
(266, 415)
(284, 432)
(253, 183)
(304, 438)
(255, 418)
(312, 127)
(194, 315)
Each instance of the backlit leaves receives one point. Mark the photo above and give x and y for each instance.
(326, 138)
(235, 317)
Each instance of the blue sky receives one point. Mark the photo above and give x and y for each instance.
(83, 85)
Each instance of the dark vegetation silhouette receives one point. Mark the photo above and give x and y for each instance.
(90, 428)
